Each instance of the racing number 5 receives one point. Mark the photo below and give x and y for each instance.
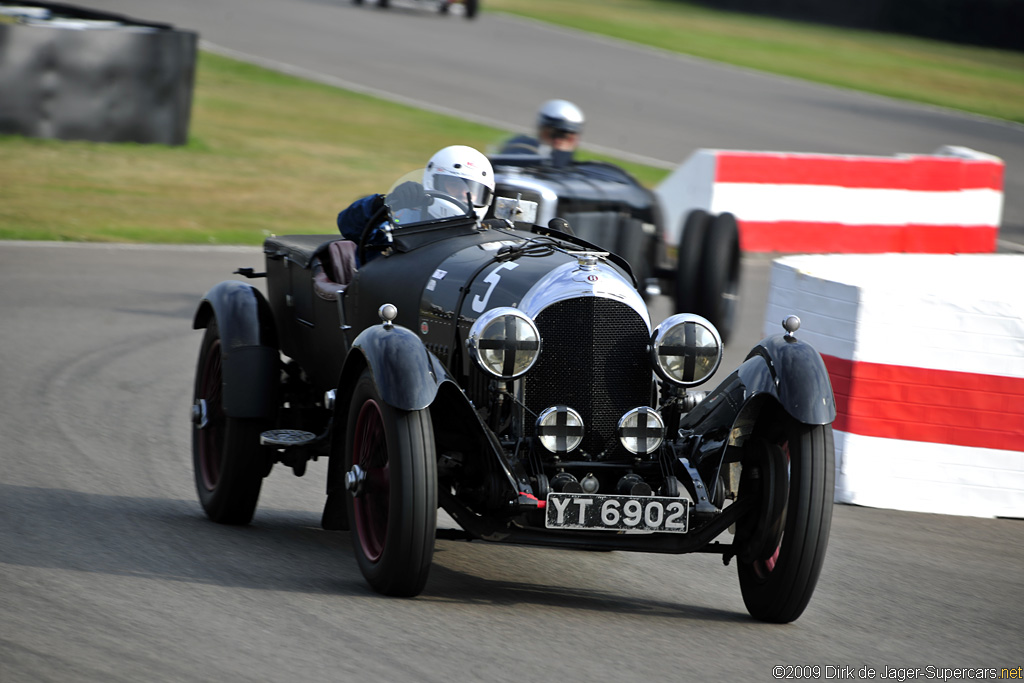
(493, 278)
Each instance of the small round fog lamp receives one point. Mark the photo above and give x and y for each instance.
(641, 431)
(560, 429)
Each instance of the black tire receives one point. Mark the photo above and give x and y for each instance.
(357, 2)
(688, 263)
(718, 290)
(383, 4)
(471, 8)
(394, 517)
(227, 458)
(443, 7)
(778, 585)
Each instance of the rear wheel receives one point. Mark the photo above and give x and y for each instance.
(688, 264)
(718, 290)
(471, 8)
(227, 458)
(392, 480)
(778, 579)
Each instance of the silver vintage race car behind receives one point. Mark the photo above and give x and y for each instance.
(605, 205)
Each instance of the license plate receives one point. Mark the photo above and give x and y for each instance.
(617, 513)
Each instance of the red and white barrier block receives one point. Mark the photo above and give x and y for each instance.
(947, 202)
(926, 357)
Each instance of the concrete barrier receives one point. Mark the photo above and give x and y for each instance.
(926, 356)
(73, 73)
(947, 202)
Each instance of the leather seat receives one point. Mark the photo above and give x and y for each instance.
(334, 269)
(343, 260)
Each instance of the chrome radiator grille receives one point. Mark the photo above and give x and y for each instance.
(594, 360)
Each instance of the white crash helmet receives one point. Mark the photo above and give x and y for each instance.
(560, 115)
(458, 170)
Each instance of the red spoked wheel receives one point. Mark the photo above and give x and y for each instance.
(371, 506)
(392, 483)
(211, 437)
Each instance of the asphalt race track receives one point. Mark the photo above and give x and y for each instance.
(110, 572)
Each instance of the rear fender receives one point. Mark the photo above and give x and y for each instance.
(249, 350)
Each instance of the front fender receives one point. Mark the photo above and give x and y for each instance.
(249, 350)
(779, 368)
(407, 375)
(790, 371)
(796, 376)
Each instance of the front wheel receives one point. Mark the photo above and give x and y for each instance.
(471, 8)
(392, 482)
(778, 581)
(227, 458)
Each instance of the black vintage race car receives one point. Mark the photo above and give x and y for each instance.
(514, 379)
(607, 206)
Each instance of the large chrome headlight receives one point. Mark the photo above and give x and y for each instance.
(686, 349)
(504, 342)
